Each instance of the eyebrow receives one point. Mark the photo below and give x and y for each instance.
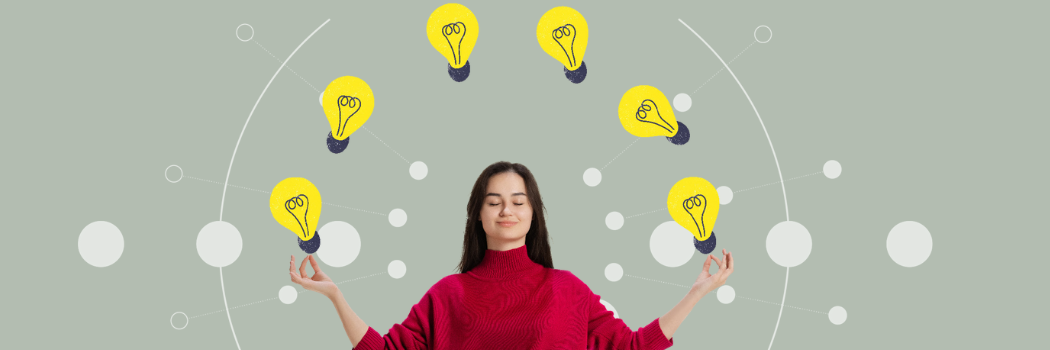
(497, 194)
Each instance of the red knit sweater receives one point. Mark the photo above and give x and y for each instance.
(511, 302)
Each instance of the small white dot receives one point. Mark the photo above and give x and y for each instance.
(837, 315)
(609, 307)
(418, 170)
(726, 294)
(397, 217)
(789, 244)
(287, 294)
(725, 195)
(592, 177)
(396, 269)
(613, 272)
(219, 244)
(614, 220)
(250, 29)
(100, 243)
(168, 170)
(832, 169)
(172, 320)
(767, 39)
(671, 244)
(909, 244)
(682, 102)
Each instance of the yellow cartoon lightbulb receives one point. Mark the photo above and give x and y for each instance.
(562, 33)
(347, 103)
(645, 112)
(296, 205)
(453, 30)
(693, 203)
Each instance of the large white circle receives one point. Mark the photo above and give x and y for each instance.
(172, 320)
(682, 102)
(613, 272)
(219, 244)
(789, 244)
(614, 220)
(837, 315)
(341, 245)
(832, 169)
(169, 168)
(770, 34)
(909, 244)
(671, 244)
(725, 195)
(418, 170)
(100, 243)
(397, 217)
(396, 269)
(287, 294)
(238, 32)
(726, 294)
(609, 307)
(592, 177)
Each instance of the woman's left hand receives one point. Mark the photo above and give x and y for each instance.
(708, 282)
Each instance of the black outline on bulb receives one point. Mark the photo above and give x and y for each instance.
(350, 102)
(564, 31)
(698, 203)
(447, 30)
(640, 115)
(291, 203)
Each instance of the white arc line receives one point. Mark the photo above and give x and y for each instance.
(782, 187)
(779, 173)
(782, 299)
(223, 203)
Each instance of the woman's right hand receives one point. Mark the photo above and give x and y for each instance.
(319, 282)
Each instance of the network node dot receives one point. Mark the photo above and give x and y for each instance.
(100, 243)
(396, 269)
(767, 39)
(614, 220)
(837, 315)
(592, 177)
(832, 169)
(184, 324)
(909, 244)
(789, 244)
(168, 170)
(397, 217)
(251, 32)
(725, 195)
(682, 102)
(418, 170)
(287, 294)
(219, 243)
(726, 294)
(342, 244)
(613, 272)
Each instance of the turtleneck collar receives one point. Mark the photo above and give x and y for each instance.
(507, 264)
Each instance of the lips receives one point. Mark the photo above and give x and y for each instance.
(508, 223)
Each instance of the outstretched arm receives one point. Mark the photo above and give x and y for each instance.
(707, 282)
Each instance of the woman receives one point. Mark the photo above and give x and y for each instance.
(508, 295)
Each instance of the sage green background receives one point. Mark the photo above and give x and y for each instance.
(936, 111)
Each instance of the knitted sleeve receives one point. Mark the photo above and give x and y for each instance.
(605, 332)
(412, 334)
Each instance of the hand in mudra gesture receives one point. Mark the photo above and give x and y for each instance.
(319, 282)
(708, 282)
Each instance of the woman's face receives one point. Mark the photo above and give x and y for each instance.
(506, 213)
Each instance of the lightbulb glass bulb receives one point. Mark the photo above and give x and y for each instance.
(348, 103)
(644, 111)
(453, 30)
(562, 33)
(693, 203)
(296, 204)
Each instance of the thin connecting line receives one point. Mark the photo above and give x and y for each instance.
(384, 144)
(265, 192)
(767, 302)
(650, 212)
(265, 300)
(774, 183)
(286, 66)
(621, 152)
(724, 68)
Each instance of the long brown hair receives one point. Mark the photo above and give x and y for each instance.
(474, 241)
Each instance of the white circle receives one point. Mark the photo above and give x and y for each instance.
(172, 320)
(789, 244)
(341, 245)
(592, 177)
(671, 244)
(609, 307)
(614, 220)
(837, 315)
(219, 244)
(909, 244)
(287, 294)
(396, 269)
(397, 217)
(320, 99)
(168, 178)
(100, 243)
(725, 195)
(682, 102)
(613, 272)
(832, 169)
(726, 294)
(238, 32)
(418, 170)
(767, 40)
